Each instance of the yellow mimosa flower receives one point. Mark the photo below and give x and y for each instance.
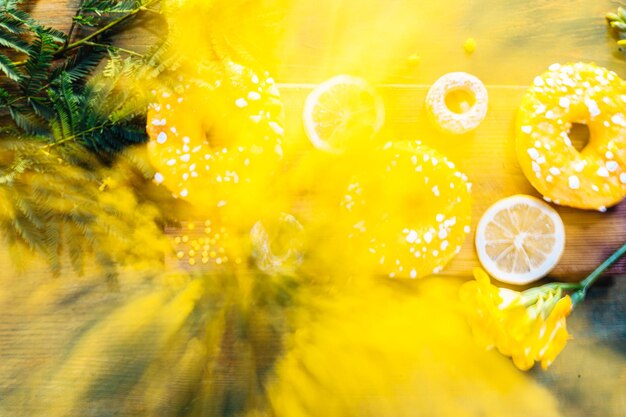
(528, 326)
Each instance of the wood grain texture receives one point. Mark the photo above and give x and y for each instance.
(516, 41)
(41, 319)
(487, 156)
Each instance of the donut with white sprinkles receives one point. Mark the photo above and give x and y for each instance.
(409, 214)
(594, 177)
(216, 142)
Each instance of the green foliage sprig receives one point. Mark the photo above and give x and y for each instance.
(53, 208)
(68, 185)
(44, 87)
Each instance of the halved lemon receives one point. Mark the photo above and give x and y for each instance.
(342, 113)
(520, 239)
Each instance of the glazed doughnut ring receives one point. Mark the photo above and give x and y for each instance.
(408, 212)
(449, 120)
(595, 177)
(216, 142)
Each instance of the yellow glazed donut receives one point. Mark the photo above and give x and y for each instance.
(594, 178)
(446, 118)
(216, 142)
(409, 212)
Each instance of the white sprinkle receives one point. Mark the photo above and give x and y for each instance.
(426, 157)
(253, 95)
(165, 94)
(564, 102)
(436, 191)
(444, 245)
(549, 178)
(567, 141)
(612, 166)
(185, 157)
(609, 155)
(548, 199)
(554, 67)
(579, 165)
(180, 99)
(574, 182)
(255, 79)
(618, 119)
(595, 188)
(555, 171)
(603, 172)
(439, 217)
(162, 137)
(241, 103)
(467, 229)
(550, 114)
(592, 106)
(171, 162)
(411, 237)
(533, 153)
(221, 203)
(527, 129)
(428, 237)
(413, 274)
(442, 234)
(536, 167)
(276, 128)
(538, 81)
(602, 209)
(622, 177)
(435, 252)
(184, 193)
(158, 178)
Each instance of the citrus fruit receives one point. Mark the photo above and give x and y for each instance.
(595, 176)
(519, 239)
(341, 113)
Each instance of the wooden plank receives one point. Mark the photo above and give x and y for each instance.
(487, 156)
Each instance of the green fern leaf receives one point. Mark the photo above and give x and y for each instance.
(8, 67)
(38, 64)
(11, 41)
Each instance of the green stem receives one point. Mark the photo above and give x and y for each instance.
(117, 48)
(100, 31)
(85, 41)
(579, 295)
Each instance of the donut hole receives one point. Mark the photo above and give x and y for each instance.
(579, 134)
(459, 100)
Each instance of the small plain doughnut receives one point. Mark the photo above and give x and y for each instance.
(595, 177)
(447, 119)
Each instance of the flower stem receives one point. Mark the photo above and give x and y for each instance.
(579, 295)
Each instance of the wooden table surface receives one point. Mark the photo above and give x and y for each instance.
(41, 319)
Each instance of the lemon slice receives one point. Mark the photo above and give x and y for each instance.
(519, 239)
(341, 112)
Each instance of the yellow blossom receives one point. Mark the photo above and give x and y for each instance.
(528, 326)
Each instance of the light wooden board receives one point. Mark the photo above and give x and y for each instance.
(487, 156)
